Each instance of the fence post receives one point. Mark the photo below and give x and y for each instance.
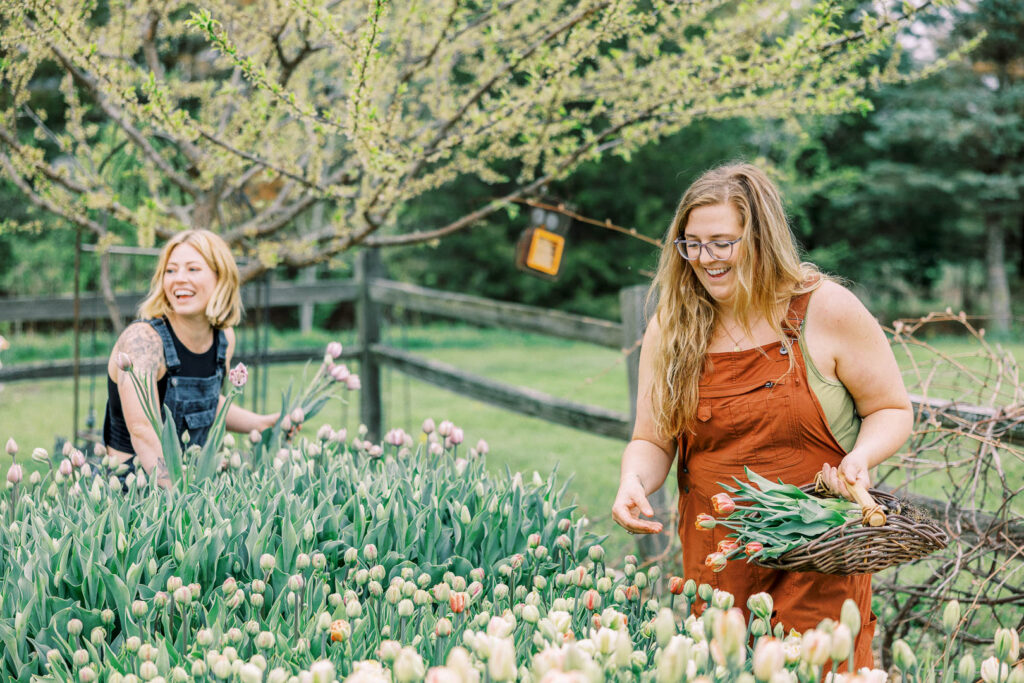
(368, 267)
(634, 322)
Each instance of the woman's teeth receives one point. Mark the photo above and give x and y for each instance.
(716, 272)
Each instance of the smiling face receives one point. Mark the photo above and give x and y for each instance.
(189, 281)
(717, 222)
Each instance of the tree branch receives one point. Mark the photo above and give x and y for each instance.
(45, 204)
(136, 136)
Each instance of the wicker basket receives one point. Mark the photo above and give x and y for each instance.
(854, 548)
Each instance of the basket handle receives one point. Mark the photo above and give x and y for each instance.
(872, 513)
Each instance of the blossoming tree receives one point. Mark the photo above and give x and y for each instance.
(243, 115)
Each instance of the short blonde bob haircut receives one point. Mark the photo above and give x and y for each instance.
(768, 274)
(225, 307)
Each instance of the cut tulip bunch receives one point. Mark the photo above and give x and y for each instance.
(329, 377)
(768, 519)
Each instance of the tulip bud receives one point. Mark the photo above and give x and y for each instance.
(842, 643)
(14, 474)
(408, 666)
(302, 561)
(370, 553)
(183, 596)
(722, 505)
(761, 605)
(664, 627)
(994, 671)
(74, 627)
(769, 658)
(716, 561)
(903, 657)
(951, 616)
(705, 521)
(1007, 645)
(966, 669)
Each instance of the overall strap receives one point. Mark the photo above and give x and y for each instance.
(795, 315)
(170, 355)
(222, 351)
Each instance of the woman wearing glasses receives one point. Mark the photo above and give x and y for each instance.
(756, 359)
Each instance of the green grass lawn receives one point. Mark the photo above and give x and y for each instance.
(34, 412)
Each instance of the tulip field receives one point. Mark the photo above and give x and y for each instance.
(340, 559)
(289, 556)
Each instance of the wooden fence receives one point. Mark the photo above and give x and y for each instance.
(371, 293)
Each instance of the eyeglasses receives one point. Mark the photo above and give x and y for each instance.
(719, 250)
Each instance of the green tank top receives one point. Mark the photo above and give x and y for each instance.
(835, 400)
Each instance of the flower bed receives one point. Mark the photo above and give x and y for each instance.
(334, 558)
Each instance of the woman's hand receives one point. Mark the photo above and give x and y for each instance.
(852, 469)
(630, 503)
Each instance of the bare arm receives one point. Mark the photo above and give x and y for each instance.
(238, 418)
(142, 345)
(863, 361)
(647, 459)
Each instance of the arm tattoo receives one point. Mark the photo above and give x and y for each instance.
(143, 346)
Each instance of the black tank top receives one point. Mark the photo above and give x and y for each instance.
(115, 430)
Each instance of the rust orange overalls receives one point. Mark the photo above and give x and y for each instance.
(756, 411)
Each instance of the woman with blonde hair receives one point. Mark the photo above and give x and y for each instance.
(183, 341)
(755, 359)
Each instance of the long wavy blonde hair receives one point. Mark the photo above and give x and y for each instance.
(225, 307)
(768, 273)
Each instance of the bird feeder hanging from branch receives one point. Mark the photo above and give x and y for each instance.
(541, 247)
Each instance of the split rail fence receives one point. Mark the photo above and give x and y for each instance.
(371, 292)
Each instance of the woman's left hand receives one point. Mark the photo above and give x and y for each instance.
(853, 469)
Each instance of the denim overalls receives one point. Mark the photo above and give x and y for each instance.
(191, 400)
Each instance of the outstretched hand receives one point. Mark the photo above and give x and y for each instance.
(631, 502)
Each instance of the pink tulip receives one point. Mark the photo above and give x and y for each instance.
(334, 349)
(77, 459)
(352, 383)
(456, 435)
(14, 474)
(124, 362)
(428, 426)
(239, 375)
(340, 373)
(298, 416)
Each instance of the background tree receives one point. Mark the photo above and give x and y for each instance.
(927, 189)
(243, 116)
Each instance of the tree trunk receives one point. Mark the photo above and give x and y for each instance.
(108, 294)
(998, 285)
